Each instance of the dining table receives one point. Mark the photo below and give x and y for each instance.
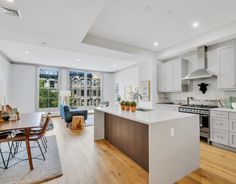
(26, 122)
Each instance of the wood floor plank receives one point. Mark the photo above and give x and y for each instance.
(87, 162)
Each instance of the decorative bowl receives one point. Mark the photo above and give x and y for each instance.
(5, 116)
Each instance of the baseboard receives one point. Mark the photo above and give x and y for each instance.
(224, 147)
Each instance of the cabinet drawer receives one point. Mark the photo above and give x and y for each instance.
(232, 115)
(221, 137)
(232, 140)
(219, 114)
(232, 125)
(219, 123)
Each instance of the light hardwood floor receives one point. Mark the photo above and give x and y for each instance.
(87, 162)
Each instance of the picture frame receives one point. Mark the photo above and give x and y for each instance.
(144, 88)
(128, 92)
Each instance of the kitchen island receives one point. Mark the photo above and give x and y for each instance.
(164, 143)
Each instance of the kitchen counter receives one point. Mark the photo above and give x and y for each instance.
(165, 143)
(148, 117)
(170, 107)
(168, 104)
(223, 109)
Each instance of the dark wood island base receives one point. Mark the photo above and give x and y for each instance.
(130, 137)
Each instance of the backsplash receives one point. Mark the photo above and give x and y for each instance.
(210, 95)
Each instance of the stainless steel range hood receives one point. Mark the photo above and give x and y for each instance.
(202, 71)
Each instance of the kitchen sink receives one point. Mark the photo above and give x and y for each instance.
(144, 110)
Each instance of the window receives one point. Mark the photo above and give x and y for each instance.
(48, 88)
(93, 89)
(77, 87)
(85, 88)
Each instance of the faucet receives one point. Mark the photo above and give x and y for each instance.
(136, 96)
(188, 100)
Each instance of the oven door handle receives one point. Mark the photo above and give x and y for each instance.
(200, 121)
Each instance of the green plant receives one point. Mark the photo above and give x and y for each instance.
(127, 103)
(122, 103)
(133, 104)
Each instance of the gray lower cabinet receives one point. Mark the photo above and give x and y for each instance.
(219, 123)
(223, 127)
(219, 136)
(232, 125)
(232, 140)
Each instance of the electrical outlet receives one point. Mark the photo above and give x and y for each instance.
(172, 132)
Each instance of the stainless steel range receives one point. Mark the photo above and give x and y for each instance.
(204, 113)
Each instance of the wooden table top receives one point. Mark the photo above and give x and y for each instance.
(30, 120)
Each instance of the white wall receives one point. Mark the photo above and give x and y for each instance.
(23, 88)
(143, 71)
(108, 88)
(148, 71)
(127, 77)
(5, 79)
(64, 79)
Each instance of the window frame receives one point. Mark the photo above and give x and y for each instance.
(86, 86)
(52, 109)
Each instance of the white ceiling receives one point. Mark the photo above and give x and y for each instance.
(63, 25)
(68, 19)
(58, 57)
(141, 23)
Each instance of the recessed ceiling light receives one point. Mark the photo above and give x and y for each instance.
(78, 60)
(195, 24)
(10, 1)
(26, 52)
(156, 44)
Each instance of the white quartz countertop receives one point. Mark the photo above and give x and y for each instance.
(170, 105)
(224, 109)
(148, 117)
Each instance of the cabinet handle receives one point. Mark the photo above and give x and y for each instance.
(221, 114)
(220, 137)
(219, 124)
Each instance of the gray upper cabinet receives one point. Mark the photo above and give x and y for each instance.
(170, 76)
(227, 64)
(162, 78)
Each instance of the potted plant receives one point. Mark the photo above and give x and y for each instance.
(127, 105)
(122, 105)
(133, 106)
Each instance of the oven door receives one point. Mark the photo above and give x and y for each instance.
(204, 126)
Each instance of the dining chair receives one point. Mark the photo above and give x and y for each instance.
(39, 129)
(36, 130)
(6, 137)
(3, 136)
(37, 135)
